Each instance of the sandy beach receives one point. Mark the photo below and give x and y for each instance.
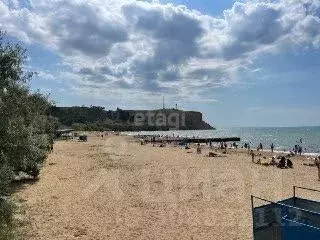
(115, 188)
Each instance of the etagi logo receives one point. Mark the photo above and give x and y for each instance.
(173, 120)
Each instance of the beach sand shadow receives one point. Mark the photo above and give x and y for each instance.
(21, 184)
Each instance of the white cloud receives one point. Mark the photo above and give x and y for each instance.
(46, 75)
(121, 47)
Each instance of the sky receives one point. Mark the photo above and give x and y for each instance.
(241, 63)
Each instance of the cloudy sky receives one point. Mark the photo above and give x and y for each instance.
(242, 63)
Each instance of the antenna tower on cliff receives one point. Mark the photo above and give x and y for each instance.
(163, 102)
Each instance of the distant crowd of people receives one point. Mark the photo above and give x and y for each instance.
(278, 161)
(297, 149)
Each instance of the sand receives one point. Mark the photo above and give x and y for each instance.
(116, 188)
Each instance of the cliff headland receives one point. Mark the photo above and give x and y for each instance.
(98, 119)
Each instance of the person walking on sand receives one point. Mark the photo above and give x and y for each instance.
(317, 163)
(198, 149)
(272, 147)
(252, 155)
(261, 147)
(295, 149)
(300, 150)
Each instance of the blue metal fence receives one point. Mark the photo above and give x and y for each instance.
(290, 219)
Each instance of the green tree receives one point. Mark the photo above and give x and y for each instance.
(26, 131)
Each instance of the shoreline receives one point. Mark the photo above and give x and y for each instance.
(283, 138)
(308, 154)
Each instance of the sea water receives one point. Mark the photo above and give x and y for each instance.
(283, 138)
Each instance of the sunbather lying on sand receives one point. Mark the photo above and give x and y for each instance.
(311, 162)
(212, 154)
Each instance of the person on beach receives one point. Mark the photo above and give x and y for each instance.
(252, 155)
(198, 149)
(289, 163)
(300, 150)
(259, 161)
(295, 149)
(273, 161)
(272, 147)
(317, 163)
(234, 145)
(259, 147)
(282, 163)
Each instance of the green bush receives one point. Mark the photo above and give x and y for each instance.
(5, 177)
(25, 128)
(7, 209)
